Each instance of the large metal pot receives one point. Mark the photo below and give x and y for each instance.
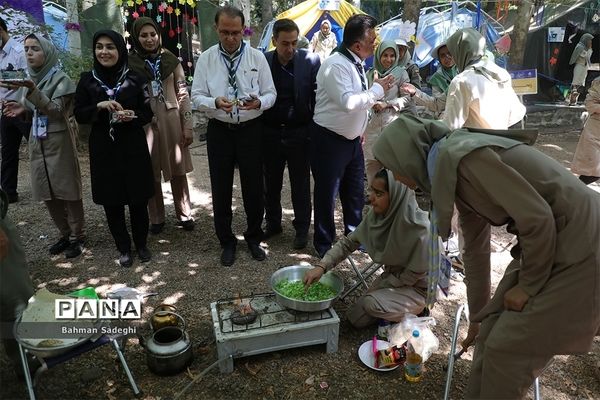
(169, 349)
(296, 273)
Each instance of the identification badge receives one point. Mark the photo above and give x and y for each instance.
(154, 88)
(41, 127)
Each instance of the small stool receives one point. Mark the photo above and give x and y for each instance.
(50, 362)
(463, 310)
(362, 274)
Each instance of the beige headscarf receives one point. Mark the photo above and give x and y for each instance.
(580, 48)
(49, 79)
(467, 47)
(399, 237)
(405, 144)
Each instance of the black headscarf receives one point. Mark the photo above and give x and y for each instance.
(111, 76)
(168, 61)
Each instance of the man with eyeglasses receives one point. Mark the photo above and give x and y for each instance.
(286, 133)
(341, 115)
(233, 85)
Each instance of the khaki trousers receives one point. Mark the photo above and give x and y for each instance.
(390, 304)
(500, 374)
(181, 200)
(68, 218)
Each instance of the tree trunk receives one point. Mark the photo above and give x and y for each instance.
(244, 5)
(266, 13)
(411, 11)
(519, 34)
(74, 35)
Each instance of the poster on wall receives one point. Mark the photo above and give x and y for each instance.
(556, 34)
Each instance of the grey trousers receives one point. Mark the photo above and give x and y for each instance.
(68, 218)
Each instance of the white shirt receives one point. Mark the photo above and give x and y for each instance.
(342, 106)
(474, 101)
(12, 53)
(211, 80)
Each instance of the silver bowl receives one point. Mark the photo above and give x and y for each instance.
(296, 273)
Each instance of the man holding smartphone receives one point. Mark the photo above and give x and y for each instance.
(233, 84)
(341, 116)
(12, 129)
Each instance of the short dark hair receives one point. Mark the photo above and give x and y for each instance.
(356, 28)
(383, 174)
(284, 25)
(3, 25)
(230, 11)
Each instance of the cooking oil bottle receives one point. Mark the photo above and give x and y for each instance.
(413, 367)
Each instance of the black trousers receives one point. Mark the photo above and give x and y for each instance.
(228, 145)
(338, 167)
(280, 146)
(12, 131)
(138, 214)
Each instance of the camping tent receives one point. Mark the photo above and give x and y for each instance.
(437, 23)
(308, 17)
(553, 37)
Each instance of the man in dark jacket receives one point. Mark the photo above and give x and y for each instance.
(285, 138)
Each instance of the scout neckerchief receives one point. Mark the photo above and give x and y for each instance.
(232, 63)
(112, 95)
(156, 83)
(359, 67)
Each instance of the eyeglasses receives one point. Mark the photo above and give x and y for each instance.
(230, 33)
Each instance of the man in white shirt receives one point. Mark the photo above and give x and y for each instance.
(233, 85)
(341, 116)
(12, 129)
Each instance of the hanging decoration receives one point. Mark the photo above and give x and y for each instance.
(502, 7)
(177, 20)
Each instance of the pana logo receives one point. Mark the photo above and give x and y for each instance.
(97, 309)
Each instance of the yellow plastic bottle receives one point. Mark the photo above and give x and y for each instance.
(413, 367)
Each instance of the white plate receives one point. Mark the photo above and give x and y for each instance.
(365, 353)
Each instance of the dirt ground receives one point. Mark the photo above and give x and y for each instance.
(185, 271)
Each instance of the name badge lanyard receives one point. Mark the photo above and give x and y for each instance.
(233, 72)
(40, 122)
(112, 95)
(157, 89)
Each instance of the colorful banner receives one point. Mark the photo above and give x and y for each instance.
(32, 7)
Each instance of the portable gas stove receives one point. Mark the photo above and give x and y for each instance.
(273, 328)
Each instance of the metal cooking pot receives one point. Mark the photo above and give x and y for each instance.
(169, 349)
(296, 273)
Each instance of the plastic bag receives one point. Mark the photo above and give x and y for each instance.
(400, 332)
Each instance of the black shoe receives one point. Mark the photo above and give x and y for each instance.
(125, 260)
(13, 198)
(300, 241)
(144, 254)
(257, 252)
(272, 231)
(59, 246)
(228, 254)
(155, 229)
(74, 249)
(187, 225)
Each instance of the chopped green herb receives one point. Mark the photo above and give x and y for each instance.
(295, 290)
